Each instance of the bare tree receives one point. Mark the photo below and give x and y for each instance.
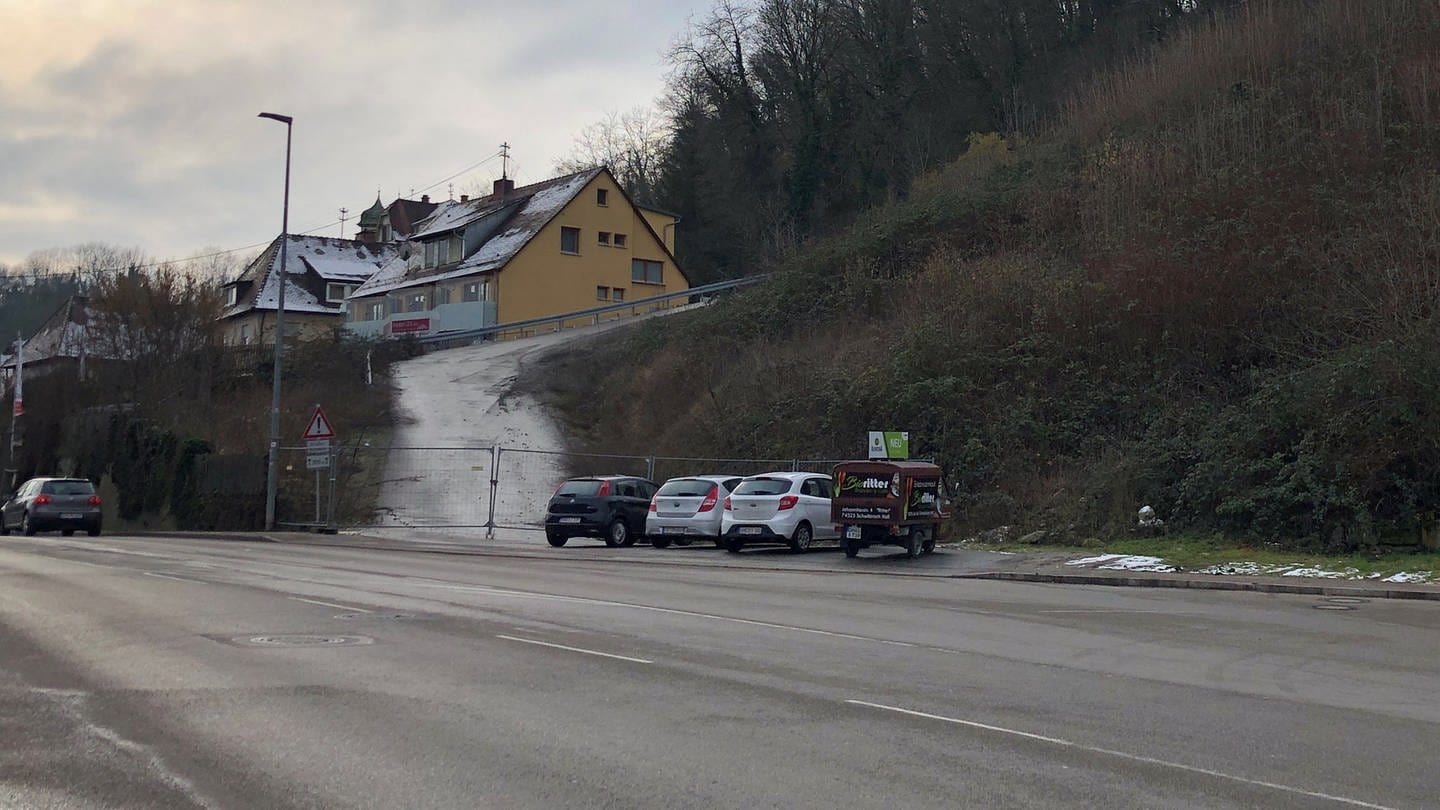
(632, 144)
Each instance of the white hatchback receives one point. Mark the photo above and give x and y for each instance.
(782, 507)
(686, 509)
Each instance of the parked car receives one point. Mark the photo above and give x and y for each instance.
(48, 504)
(688, 508)
(612, 507)
(782, 507)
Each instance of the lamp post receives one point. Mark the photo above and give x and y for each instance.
(272, 478)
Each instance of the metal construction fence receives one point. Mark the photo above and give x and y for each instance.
(474, 488)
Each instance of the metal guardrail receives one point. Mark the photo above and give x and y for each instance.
(593, 312)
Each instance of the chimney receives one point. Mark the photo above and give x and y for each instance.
(424, 198)
(464, 198)
(504, 186)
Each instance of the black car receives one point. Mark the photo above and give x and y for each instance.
(48, 504)
(612, 507)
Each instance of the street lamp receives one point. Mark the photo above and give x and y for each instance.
(272, 479)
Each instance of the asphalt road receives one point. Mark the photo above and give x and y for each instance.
(173, 673)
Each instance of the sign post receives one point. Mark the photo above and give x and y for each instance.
(317, 450)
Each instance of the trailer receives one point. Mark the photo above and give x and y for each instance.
(888, 503)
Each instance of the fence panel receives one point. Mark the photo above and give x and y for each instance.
(526, 479)
(390, 487)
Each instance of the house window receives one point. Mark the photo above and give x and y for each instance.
(417, 302)
(644, 271)
(619, 240)
(605, 238)
(244, 334)
(429, 254)
(335, 293)
(569, 240)
(442, 296)
(602, 293)
(617, 294)
(232, 296)
(457, 248)
(602, 196)
(375, 311)
(470, 292)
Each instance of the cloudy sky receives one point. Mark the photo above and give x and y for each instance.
(133, 122)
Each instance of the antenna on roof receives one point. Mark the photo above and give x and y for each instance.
(451, 188)
(504, 161)
(343, 212)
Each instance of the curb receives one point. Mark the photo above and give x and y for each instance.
(1368, 591)
(229, 537)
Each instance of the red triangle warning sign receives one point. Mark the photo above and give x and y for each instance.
(319, 426)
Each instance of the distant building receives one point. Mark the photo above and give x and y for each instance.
(62, 343)
(557, 246)
(321, 272)
(388, 223)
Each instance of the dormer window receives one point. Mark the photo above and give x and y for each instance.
(232, 295)
(335, 293)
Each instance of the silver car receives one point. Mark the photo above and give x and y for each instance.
(49, 504)
(688, 508)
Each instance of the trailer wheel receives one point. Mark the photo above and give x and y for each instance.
(852, 548)
(914, 543)
(929, 545)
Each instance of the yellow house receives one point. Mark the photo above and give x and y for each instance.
(321, 272)
(566, 244)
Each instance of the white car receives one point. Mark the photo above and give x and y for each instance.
(782, 507)
(688, 508)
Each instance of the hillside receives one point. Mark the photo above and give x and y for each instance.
(1210, 286)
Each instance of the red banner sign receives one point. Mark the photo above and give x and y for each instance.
(409, 326)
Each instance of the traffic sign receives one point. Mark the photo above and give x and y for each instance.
(317, 454)
(319, 426)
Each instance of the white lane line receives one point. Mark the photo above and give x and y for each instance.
(1122, 755)
(1099, 610)
(177, 579)
(332, 604)
(574, 649)
(671, 611)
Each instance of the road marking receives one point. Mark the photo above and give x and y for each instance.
(1099, 610)
(177, 579)
(671, 611)
(331, 604)
(575, 649)
(1122, 755)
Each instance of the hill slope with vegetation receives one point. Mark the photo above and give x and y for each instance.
(1209, 284)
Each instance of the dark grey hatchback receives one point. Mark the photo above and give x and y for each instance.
(48, 504)
(612, 507)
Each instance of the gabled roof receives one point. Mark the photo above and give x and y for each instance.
(515, 219)
(62, 335)
(343, 261)
(404, 214)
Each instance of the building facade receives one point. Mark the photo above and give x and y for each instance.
(562, 245)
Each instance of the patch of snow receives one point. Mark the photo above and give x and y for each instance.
(1093, 560)
(1416, 577)
(1321, 573)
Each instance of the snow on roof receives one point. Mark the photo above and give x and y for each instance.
(63, 335)
(339, 260)
(533, 208)
(452, 215)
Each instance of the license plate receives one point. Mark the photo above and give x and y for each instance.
(71, 516)
(569, 520)
(852, 532)
(672, 530)
(749, 529)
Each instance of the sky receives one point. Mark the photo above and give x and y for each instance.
(134, 122)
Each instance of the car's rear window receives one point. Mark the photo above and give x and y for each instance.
(763, 486)
(580, 488)
(686, 488)
(68, 488)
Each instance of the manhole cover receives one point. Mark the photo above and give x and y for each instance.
(301, 640)
(1325, 606)
(1346, 600)
(388, 616)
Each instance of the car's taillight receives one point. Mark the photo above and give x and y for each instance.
(653, 507)
(710, 499)
(604, 489)
(94, 500)
(728, 506)
(788, 501)
(42, 500)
